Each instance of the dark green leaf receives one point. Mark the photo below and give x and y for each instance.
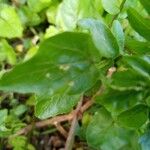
(137, 47)
(64, 62)
(139, 23)
(58, 104)
(102, 37)
(146, 4)
(134, 117)
(118, 101)
(141, 64)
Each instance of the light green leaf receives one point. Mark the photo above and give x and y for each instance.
(139, 23)
(7, 52)
(3, 115)
(38, 5)
(133, 118)
(28, 17)
(71, 11)
(146, 4)
(102, 37)
(10, 25)
(58, 104)
(111, 6)
(64, 62)
(117, 30)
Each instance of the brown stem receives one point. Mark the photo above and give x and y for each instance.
(70, 139)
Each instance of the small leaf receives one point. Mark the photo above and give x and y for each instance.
(133, 118)
(119, 35)
(10, 25)
(102, 37)
(140, 24)
(38, 5)
(3, 115)
(111, 6)
(58, 104)
(146, 4)
(8, 52)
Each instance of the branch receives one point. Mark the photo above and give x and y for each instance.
(70, 139)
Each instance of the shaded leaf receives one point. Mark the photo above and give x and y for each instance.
(146, 4)
(134, 117)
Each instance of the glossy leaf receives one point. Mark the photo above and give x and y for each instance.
(10, 25)
(58, 104)
(119, 35)
(133, 118)
(139, 23)
(3, 115)
(103, 39)
(63, 63)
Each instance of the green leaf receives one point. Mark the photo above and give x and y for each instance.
(102, 37)
(10, 25)
(146, 4)
(127, 80)
(133, 118)
(38, 5)
(64, 62)
(71, 11)
(103, 134)
(119, 35)
(58, 104)
(137, 47)
(28, 17)
(7, 52)
(111, 6)
(141, 64)
(145, 141)
(139, 24)
(3, 115)
(117, 101)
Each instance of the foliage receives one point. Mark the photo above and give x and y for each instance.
(54, 51)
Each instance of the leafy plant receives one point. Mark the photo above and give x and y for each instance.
(93, 59)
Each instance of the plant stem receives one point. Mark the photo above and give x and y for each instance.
(116, 16)
(70, 139)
